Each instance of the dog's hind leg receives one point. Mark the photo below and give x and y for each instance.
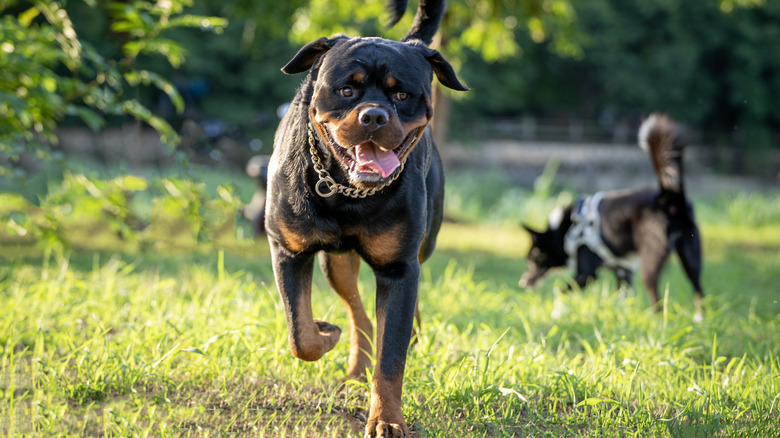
(341, 271)
(652, 262)
(652, 243)
(688, 248)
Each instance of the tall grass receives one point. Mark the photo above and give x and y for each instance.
(489, 197)
(195, 344)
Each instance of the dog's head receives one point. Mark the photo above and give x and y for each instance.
(371, 100)
(547, 250)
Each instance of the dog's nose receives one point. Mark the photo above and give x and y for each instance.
(373, 118)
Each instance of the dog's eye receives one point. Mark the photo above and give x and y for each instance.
(401, 95)
(347, 92)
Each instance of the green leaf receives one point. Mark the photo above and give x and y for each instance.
(131, 49)
(26, 17)
(91, 118)
(167, 134)
(131, 183)
(215, 24)
(14, 228)
(13, 202)
(170, 49)
(146, 77)
(49, 84)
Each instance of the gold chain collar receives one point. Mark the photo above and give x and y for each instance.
(331, 186)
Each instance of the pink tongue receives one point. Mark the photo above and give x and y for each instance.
(371, 156)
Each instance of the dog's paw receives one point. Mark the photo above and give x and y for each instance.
(329, 333)
(314, 341)
(380, 429)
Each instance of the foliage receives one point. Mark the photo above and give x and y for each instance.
(236, 78)
(125, 213)
(490, 29)
(728, 6)
(686, 57)
(709, 64)
(495, 29)
(145, 22)
(32, 94)
(129, 212)
(318, 18)
(484, 26)
(48, 72)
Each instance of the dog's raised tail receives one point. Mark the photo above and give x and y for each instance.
(665, 141)
(426, 20)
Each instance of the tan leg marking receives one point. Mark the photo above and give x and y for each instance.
(341, 271)
(385, 417)
(384, 247)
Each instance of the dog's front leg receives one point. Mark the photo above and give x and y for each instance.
(309, 338)
(396, 298)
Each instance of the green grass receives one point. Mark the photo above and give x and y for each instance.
(154, 344)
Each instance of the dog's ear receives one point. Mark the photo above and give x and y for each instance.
(308, 55)
(443, 70)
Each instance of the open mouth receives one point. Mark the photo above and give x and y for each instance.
(367, 162)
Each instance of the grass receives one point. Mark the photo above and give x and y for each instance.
(153, 344)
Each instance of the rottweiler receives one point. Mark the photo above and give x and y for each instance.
(626, 230)
(355, 174)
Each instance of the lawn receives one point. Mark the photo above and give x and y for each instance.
(194, 343)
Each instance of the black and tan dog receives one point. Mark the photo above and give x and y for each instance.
(623, 230)
(355, 173)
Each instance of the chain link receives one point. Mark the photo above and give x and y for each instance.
(331, 186)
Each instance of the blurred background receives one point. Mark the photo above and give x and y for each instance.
(137, 297)
(145, 86)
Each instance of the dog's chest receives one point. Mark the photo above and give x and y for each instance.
(332, 236)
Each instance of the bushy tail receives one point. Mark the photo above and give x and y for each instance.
(426, 20)
(665, 141)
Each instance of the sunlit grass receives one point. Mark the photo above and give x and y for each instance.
(156, 344)
(120, 347)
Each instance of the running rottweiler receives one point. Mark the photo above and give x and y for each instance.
(355, 173)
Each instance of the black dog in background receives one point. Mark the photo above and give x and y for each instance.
(355, 174)
(623, 230)
(257, 169)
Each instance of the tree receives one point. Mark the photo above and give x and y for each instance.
(489, 28)
(47, 72)
(711, 64)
